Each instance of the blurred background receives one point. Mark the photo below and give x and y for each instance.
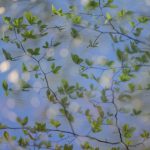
(34, 103)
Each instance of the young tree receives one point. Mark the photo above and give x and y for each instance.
(98, 96)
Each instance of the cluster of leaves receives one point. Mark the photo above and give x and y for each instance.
(132, 58)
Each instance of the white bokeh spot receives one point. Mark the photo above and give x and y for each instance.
(100, 60)
(52, 112)
(64, 52)
(84, 2)
(4, 66)
(13, 76)
(106, 79)
(2, 10)
(74, 107)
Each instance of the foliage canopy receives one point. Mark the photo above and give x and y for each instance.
(125, 30)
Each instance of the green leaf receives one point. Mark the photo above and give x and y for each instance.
(23, 121)
(6, 135)
(61, 135)
(132, 24)
(119, 54)
(128, 131)
(30, 17)
(29, 35)
(56, 44)
(13, 138)
(109, 4)
(55, 69)
(24, 68)
(143, 19)
(36, 75)
(136, 112)
(134, 49)
(50, 59)
(124, 77)
(65, 83)
(103, 96)
(128, 142)
(74, 33)
(76, 59)
(114, 38)
(7, 20)
(70, 116)
(96, 125)
(7, 55)
(58, 12)
(88, 62)
(24, 85)
(23, 142)
(110, 1)
(46, 45)
(92, 4)
(5, 38)
(145, 134)
(50, 96)
(40, 126)
(113, 6)
(123, 30)
(100, 111)
(54, 10)
(124, 13)
(108, 16)
(35, 68)
(131, 87)
(109, 63)
(109, 122)
(76, 19)
(5, 85)
(26, 132)
(86, 146)
(18, 22)
(68, 147)
(55, 123)
(138, 31)
(85, 75)
(35, 51)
